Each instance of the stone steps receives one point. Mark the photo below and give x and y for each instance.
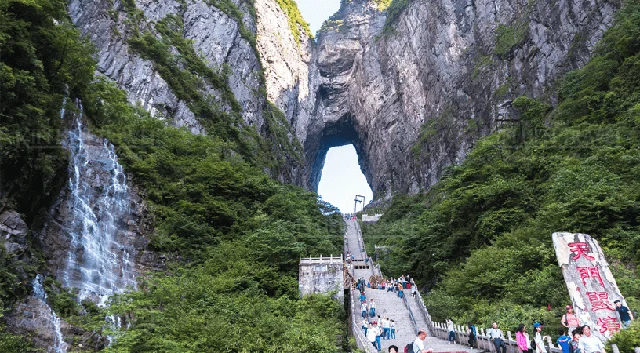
(388, 304)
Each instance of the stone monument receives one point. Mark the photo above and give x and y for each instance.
(591, 285)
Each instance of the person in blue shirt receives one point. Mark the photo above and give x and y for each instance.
(625, 314)
(563, 340)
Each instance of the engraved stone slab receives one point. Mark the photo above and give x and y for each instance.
(590, 282)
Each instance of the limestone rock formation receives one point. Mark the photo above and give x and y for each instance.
(414, 96)
(216, 37)
(412, 93)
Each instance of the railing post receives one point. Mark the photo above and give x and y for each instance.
(550, 344)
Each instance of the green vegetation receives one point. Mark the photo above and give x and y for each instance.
(39, 61)
(241, 233)
(440, 125)
(509, 37)
(383, 4)
(480, 240)
(235, 234)
(394, 9)
(188, 75)
(232, 10)
(296, 21)
(628, 339)
(503, 90)
(331, 25)
(482, 66)
(85, 315)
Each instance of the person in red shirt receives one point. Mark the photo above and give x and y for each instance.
(570, 320)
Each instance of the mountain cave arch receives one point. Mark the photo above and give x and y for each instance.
(336, 134)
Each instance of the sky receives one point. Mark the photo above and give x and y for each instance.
(317, 11)
(342, 178)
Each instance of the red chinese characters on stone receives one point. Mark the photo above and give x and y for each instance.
(580, 249)
(600, 301)
(589, 272)
(608, 323)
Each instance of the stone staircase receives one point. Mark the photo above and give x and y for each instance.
(388, 304)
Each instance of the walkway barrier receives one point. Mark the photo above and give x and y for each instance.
(483, 341)
(411, 316)
(356, 327)
(425, 313)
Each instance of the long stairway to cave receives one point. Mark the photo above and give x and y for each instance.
(388, 304)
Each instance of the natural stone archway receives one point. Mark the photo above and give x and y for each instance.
(334, 134)
(414, 99)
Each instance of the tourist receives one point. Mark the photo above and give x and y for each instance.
(378, 335)
(365, 326)
(372, 308)
(363, 297)
(414, 290)
(564, 341)
(452, 330)
(418, 344)
(393, 349)
(400, 291)
(393, 329)
(496, 336)
(473, 334)
(522, 338)
(539, 338)
(386, 328)
(570, 320)
(363, 308)
(589, 343)
(371, 335)
(573, 347)
(625, 314)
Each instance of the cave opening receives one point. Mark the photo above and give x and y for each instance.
(342, 179)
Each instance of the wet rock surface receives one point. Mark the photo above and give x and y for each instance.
(13, 231)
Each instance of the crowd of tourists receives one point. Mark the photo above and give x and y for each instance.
(378, 328)
(395, 285)
(579, 340)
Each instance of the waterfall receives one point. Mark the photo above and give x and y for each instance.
(99, 258)
(59, 345)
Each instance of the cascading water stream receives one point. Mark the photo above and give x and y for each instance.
(59, 345)
(98, 262)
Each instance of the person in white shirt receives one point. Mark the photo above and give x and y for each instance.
(497, 338)
(418, 344)
(372, 308)
(452, 330)
(371, 335)
(589, 343)
(539, 338)
(386, 327)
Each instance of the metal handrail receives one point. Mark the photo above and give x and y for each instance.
(413, 318)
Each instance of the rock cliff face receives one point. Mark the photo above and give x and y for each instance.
(216, 38)
(414, 96)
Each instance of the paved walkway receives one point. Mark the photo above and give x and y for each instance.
(388, 304)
